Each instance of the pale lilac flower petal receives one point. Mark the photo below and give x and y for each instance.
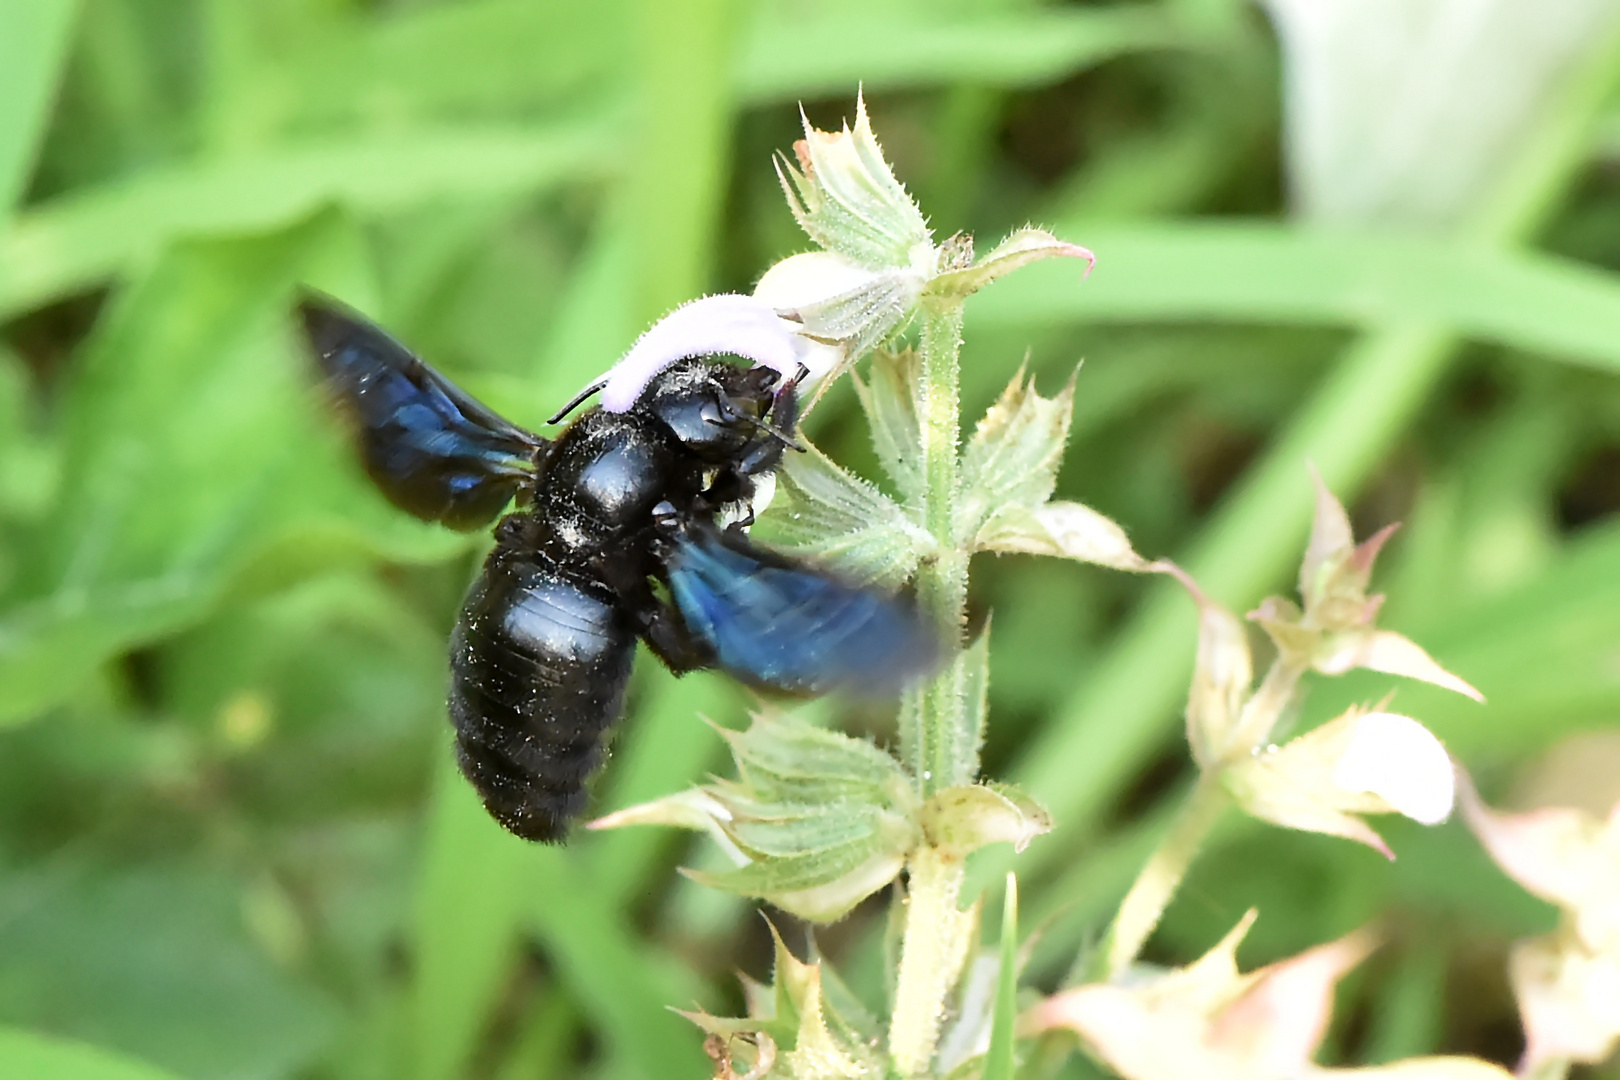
(1397, 759)
(726, 323)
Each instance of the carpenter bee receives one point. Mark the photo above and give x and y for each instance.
(616, 535)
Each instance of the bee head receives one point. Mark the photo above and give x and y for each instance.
(720, 411)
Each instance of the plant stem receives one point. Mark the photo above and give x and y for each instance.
(931, 736)
(1265, 709)
(937, 935)
(933, 950)
(1144, 905)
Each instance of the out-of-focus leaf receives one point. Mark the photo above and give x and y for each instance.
(806, 52)
(823, 512)
(189, 991)
(40, 1057)
(72, 243)
(437, 62)
(1271, 273)
(998, 1060)
(193, 450)
(623, 984)
(29, 478)
(468, 908)
(33, 44)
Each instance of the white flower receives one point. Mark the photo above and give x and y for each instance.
(727, 323)
(1359, 763)
(1210, 1022)
(1567, 982)
(1396, 758)
(837, 299)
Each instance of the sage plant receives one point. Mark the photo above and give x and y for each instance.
(815, 821)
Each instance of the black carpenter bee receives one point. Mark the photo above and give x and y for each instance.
(617, 535)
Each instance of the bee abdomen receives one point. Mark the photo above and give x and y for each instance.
(538, 665)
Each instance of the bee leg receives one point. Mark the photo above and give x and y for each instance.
(669, 638)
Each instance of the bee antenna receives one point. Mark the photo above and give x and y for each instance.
(574, 402)
(763, 425)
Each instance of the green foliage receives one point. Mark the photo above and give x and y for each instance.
(232, 843)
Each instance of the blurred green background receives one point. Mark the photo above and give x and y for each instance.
(231, 841)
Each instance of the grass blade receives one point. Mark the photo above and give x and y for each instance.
(74, 242)
(1267, 273)
(34, 38)
(998, 1061)
(42, 1057)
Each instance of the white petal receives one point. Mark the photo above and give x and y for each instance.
(1397, 759)
(814, 277)
(726, 323)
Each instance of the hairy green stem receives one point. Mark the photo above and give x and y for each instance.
(937, 935)
(934, 948)
(933, 743)
(1144, 905)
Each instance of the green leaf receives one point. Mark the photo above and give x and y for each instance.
(28, 482)
(998, 1061)
(623, 983)
(1266, 273)
(469, 901)
(75, 241)
(1014, 454)
(33, 45)
(798, 51)
(191, 992)
(891, 407)
(194, 453)
(43, 1057)
(438, 63)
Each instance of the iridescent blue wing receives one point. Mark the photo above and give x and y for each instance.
(788, 626)
(428, 446)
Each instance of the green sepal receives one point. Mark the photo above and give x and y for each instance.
(960, 820)
(804, 1026)
(1014, 454)
(890, 402)
(822, 512)
(816, 822)
(846, 198)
